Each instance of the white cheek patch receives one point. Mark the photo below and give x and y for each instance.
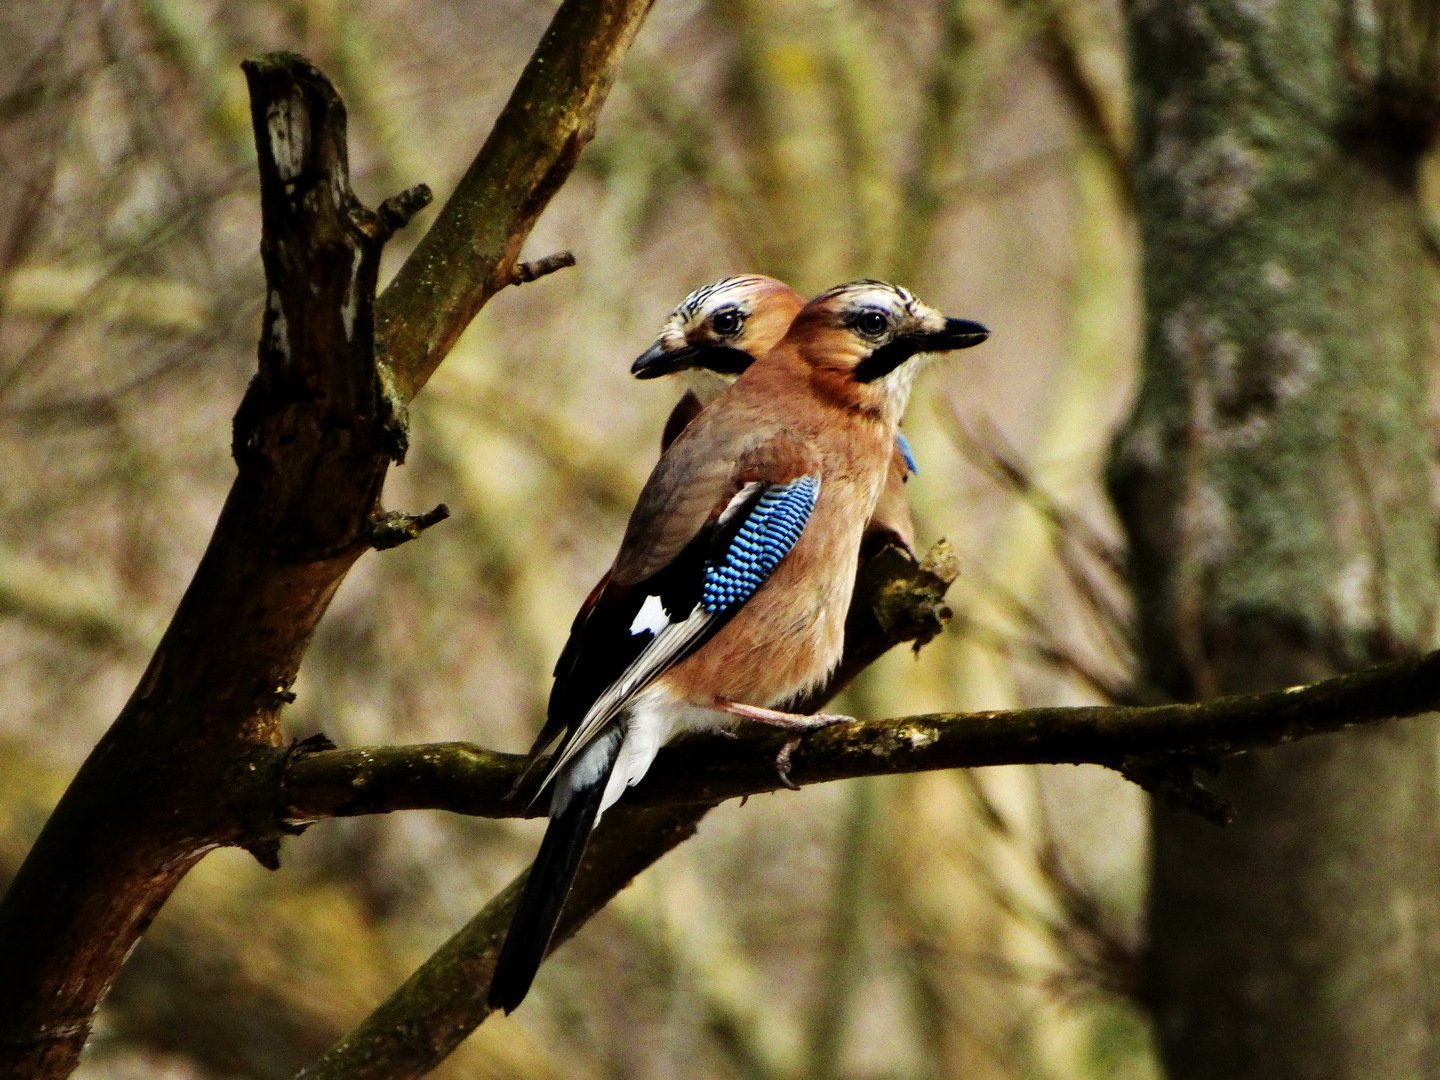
(652, 616)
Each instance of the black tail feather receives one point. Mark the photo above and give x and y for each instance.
(538, 911)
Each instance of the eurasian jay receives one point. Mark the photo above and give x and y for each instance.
(729, 592)
(716, 333)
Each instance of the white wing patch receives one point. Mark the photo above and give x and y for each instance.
(657, 656)
(738, 500)
(652, 616)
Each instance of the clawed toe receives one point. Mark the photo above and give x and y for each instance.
(782, 762)
(794, 723)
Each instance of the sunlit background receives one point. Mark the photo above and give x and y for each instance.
(979, 925)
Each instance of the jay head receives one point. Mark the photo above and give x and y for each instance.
(717, 331)
(861, 333)
(865, 341)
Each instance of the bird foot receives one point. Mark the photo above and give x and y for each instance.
(782, 762)
(795, 723)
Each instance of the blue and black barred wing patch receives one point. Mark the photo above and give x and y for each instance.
(903, 445)
(765, 536)
(638, 632)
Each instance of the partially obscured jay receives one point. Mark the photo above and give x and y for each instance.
(716, 333)
(729, 593)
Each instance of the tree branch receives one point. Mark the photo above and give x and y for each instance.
(433, 1010)
(178, 772)
(472, 250)
(467, 779)
(312, 443)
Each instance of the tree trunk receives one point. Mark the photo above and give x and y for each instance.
(1275, 483)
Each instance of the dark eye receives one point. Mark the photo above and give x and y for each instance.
(727, 322)
(872, 323)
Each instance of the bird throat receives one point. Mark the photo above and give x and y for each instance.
(706, 384)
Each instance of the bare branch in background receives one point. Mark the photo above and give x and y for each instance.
(312, 439)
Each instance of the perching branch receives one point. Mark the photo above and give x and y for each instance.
(467, 779)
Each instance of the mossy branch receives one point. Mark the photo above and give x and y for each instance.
(437, 1007)
(467, 779)
(473, 249)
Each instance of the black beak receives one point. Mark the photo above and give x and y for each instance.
(721, 359)
(657, 361)
(958, 334)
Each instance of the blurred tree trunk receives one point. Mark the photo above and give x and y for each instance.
(1275, 484)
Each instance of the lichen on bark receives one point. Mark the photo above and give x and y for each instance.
(1274, 481)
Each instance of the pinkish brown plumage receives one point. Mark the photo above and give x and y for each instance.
(728, 595)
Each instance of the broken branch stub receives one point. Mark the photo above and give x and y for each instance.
(319, 395)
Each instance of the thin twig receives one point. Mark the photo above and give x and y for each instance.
(525, 272)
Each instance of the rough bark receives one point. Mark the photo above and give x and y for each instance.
(179, 771)
(1274, 481)
(310, 439)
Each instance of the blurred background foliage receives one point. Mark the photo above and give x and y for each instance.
(970, 924)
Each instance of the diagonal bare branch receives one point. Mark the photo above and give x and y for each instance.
(175, 775)
(472, 250)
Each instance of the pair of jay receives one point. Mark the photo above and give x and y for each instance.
(729, 594)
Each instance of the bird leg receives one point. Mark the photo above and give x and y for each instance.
(795, 723)
(786, 720)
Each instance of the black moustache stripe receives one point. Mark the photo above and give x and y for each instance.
(721, 359)
(887, 358)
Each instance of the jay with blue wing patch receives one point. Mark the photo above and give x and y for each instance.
(717, 332)
(729, 593)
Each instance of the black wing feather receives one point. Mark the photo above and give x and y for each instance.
(601, 645)
(538, 910)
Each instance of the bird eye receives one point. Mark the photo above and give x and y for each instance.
(872, 323)
(726, 322)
